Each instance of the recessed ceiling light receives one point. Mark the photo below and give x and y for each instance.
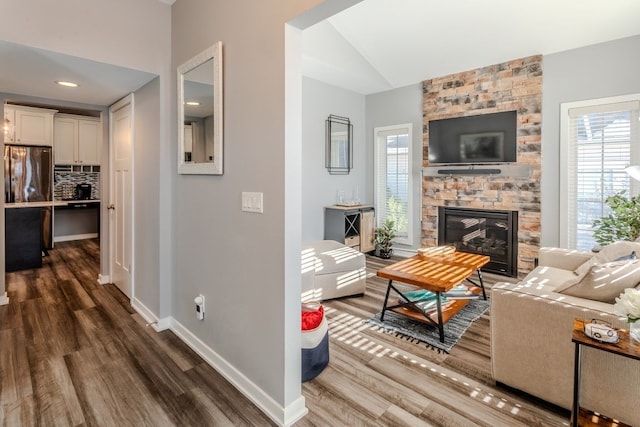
(67, 84)
(192, 103)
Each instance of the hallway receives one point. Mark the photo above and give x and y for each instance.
(73, 352)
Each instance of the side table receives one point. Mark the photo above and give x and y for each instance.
(625, 348)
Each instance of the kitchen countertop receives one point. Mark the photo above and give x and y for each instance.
(53, 203)
(74, 202)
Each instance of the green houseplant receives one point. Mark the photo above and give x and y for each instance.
(384, 237)
(623, 223)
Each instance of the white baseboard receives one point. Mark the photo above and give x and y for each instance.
(75, 237)
(143, 311)
(283, 416)
(103, 279)
(149, 316)
(295, 411)
(4, 299)
(404, 252)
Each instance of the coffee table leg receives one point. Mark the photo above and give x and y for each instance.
(386, 298)
(484, 293)
(440, 324)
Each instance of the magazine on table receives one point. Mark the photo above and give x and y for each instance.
(425, 300)
(459, 292)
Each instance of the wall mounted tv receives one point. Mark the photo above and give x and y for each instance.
(485, 138)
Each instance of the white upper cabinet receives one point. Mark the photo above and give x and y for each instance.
(32, 126)
(65, 138)
(78, 140)
(9, 124)
(89, 141)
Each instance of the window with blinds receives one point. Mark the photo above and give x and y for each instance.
(601, 141)
(393, 179)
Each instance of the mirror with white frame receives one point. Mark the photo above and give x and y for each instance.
(200, 139)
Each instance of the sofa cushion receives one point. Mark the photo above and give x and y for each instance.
(605, 282)
(549, 279)
(609, 253)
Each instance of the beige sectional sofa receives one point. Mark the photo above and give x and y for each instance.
(331, 270)
(531, 329)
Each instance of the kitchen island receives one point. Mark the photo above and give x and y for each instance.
(23, 238)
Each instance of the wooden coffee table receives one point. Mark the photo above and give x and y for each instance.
(437, 273)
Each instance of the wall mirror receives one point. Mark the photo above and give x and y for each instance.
(339, 145)
(200, 116)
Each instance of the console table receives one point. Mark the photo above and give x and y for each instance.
(353, 226)
(626, 347)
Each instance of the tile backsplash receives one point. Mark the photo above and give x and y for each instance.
(65, 183)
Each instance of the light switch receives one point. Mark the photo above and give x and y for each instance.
(252, 202)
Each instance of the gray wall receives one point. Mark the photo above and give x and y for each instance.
(394, 107)
(319, 188)
(146, 204)
(597, 71)
(245, 263)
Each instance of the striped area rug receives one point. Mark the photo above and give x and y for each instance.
(420, 332)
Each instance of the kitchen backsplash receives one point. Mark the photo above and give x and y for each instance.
(65, 183)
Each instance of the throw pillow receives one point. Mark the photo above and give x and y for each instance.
(608, 253)
(605, 282)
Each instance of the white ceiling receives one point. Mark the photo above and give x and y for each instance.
(33, 72)
(374, 46)
(378, 45)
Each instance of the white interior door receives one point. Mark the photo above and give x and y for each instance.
(121, 197)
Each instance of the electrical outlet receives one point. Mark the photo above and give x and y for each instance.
(199, 301)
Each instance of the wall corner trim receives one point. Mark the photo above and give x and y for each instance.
(283, 416)
(4, 299)
(149, 316)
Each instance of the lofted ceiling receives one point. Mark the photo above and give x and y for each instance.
(374, 46)
(378, 45)
(33, 72)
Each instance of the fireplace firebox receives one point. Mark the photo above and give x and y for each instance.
(487, 232)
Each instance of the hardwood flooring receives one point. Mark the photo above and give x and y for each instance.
(74, 353)
(378, 379)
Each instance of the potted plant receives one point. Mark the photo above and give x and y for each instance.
(384, 237)
(623, 223)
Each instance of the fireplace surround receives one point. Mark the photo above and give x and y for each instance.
(513, 85)
(480, 231)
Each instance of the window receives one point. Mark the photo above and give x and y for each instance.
(600, 139)
(393, 179)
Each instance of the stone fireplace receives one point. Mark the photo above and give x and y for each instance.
(485, 232)
(514, 85)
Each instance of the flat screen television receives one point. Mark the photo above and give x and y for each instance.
(486, 138)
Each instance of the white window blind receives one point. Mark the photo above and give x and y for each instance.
(393, 179)
(602, 140)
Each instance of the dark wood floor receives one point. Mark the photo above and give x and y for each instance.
(74, 353)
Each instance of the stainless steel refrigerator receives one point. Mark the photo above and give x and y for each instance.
(27, 179)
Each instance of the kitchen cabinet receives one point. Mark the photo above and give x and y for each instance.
(353, 226)
(9, 124)
(31, 126)
(77, 140)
